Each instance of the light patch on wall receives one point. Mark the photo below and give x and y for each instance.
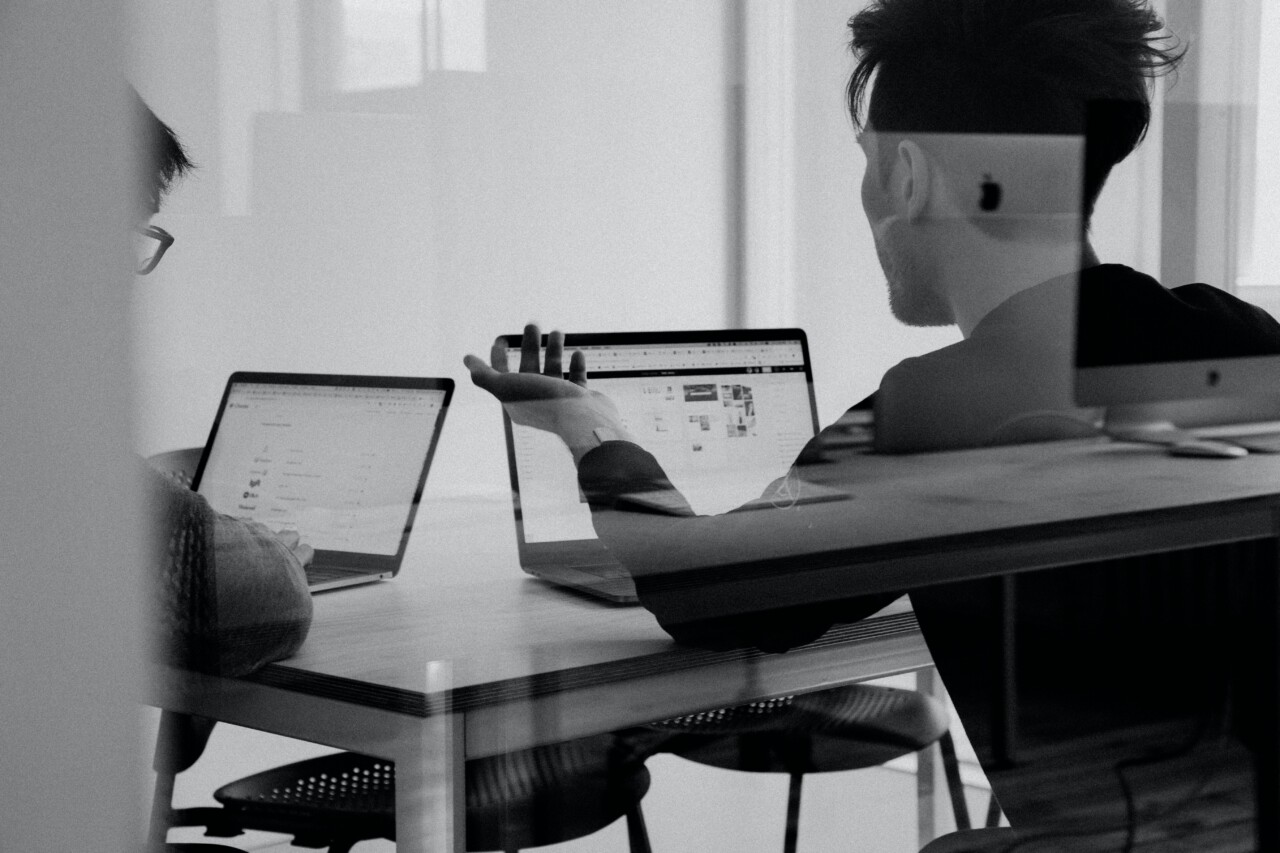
(461, 28)
(391, 44)
(1260, 257)
(381, 44)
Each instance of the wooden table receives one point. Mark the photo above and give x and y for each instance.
(462, 656)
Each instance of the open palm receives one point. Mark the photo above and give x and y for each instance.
(539, 396)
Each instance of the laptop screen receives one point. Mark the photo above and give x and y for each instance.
(342, 464)
(724, 414)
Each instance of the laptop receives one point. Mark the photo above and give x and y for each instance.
(342, 460)
(724, 412)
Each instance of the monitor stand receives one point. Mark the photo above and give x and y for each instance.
(1150, 424)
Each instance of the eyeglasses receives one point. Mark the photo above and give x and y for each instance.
(150, 242)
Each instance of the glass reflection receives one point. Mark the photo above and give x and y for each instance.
(362, 213)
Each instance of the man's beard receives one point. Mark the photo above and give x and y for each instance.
(914, 296)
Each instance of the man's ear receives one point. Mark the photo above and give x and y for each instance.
(915, 185)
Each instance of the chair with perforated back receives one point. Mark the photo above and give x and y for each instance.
(845, 728)
(515, 801)
(524, 799)
(179, 464)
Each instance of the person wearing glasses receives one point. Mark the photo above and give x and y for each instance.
(150, 242)
(230, 596)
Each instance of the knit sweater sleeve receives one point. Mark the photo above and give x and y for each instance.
(228, 597)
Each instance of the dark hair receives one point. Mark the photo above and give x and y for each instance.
(162, 159)
(1013, 66)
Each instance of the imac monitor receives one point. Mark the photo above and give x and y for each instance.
(1198, 353)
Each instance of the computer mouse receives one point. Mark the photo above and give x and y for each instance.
(1207, 449)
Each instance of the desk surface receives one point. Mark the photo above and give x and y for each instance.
(462, 620)
(462, 600)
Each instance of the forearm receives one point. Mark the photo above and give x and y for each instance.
(229, 597)
(683, 563)
(264, 606)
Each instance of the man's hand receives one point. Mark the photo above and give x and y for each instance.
(304, 552)
(540, 397)
(289, 539)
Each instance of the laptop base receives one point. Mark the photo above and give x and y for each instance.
(615, 587)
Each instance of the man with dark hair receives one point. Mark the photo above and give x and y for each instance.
(230, 595)
(935, 81)
(999, 67)
(946, 71)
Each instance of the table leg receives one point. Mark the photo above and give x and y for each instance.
(1267, 748)
(1004, 714)
(927, 800)
(431, 781)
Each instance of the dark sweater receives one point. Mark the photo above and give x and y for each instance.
(1001, 384)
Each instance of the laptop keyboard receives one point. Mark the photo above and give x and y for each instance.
(612, 572)
(324, 574)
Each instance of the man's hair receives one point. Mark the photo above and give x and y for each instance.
(1013, 66)
(162, 158)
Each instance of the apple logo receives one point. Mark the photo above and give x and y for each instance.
(991, 192)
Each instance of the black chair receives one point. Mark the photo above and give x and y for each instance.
(518, 800)
(178, 464)
(845, 728)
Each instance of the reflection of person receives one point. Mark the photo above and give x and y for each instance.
(230, 595)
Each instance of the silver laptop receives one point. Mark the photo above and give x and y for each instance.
(342, 460)
(724, 412)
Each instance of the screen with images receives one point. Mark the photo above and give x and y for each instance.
(724, 419)
(340, 465)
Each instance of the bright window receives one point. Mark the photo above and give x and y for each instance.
(1260, 249)
(388, 44)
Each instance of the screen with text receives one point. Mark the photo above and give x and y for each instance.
(724, 420)
(340, 465)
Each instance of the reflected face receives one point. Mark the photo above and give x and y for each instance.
(915, 293)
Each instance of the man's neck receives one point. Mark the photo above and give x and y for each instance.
(981, 287)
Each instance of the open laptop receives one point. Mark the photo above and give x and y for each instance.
(340, 459)
(724, 412)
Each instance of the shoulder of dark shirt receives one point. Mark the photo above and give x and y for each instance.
(1128, 317)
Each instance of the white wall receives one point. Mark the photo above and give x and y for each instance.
(578, 181)
(70, 659)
